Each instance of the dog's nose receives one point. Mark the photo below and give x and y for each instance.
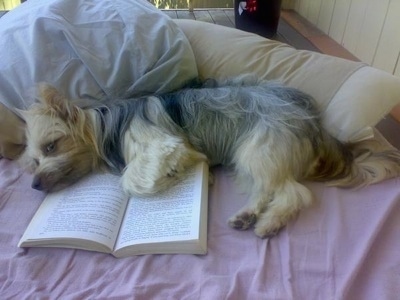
(37, 183)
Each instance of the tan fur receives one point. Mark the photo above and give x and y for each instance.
(55, 121)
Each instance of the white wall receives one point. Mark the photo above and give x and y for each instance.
(369, 29)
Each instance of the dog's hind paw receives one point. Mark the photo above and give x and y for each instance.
(266, 228)
(243, 221)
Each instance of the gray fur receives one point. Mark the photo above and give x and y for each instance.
(217, 120)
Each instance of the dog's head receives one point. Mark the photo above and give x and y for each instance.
(60, 144)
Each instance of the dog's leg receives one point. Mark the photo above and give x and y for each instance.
(252, 168)
(275, 196)
(289, 198)
(270, 207)
(271, 211)
(157, 163)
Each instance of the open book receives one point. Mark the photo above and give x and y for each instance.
(95, 214)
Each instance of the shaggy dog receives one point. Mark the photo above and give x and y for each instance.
(269, 135)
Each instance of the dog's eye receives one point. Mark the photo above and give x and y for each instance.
(50, 147)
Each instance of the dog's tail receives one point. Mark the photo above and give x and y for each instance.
(355, 165)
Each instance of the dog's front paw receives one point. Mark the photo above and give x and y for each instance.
(243, 221)
(176, 160)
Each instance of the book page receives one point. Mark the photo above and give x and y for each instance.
(91, 209)
(173, 215)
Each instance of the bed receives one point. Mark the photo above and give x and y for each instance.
(345, 246)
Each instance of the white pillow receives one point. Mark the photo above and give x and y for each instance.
(364, 99)
(352, 96)
(91, 49)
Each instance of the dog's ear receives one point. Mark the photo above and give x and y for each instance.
(51, 98)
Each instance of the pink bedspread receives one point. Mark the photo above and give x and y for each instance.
(346, 246)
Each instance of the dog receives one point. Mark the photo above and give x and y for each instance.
(270, 136)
